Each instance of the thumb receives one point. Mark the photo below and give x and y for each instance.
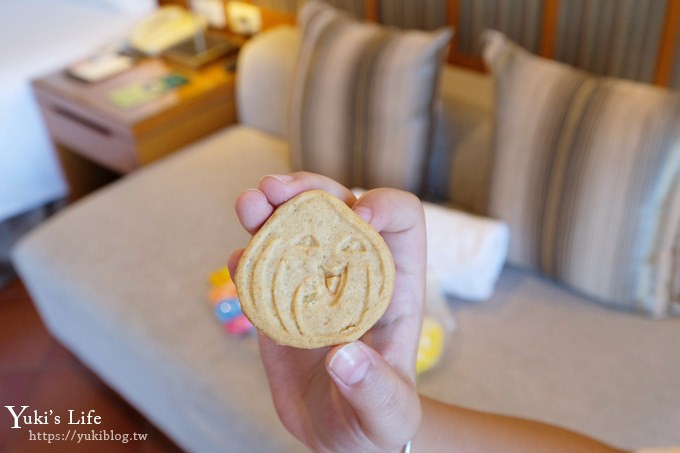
(387, 405)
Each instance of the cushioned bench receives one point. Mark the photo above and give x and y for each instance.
(120, 279)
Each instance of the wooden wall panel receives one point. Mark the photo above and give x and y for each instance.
(520, 20)
(409, 14)
(549, 28)
(668, 63)
(624, 38)
(371, 10)
(613, 37)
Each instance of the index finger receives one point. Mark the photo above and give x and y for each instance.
(253, 207)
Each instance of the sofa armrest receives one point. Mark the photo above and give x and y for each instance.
(265, 69)
(460, 157)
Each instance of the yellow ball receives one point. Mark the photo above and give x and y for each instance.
(431, 345)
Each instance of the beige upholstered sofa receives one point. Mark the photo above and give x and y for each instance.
(120, 279)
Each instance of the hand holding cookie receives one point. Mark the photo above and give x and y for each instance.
(359, 396)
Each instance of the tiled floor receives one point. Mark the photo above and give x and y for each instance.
(36, 371)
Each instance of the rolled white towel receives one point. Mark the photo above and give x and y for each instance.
(465, 252)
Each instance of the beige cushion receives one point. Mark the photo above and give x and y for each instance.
(537, 351)
(585, 173)
(264, 77)
(362, 99)
(461, 150)
(120, 278)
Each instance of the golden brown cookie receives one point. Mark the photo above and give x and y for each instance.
(315, 274)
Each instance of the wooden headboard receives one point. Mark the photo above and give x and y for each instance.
(638, 40)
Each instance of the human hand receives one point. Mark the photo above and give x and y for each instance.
(360, 396)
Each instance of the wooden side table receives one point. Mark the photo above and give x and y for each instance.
(96, 140)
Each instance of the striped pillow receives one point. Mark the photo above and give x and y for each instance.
(586, 173)
(362, 99)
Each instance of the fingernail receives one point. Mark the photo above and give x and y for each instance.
(365, 213)
(350, 364)
(285, 179)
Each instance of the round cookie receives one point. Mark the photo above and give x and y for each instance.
(315, 274)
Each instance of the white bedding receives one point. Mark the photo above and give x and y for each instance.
(37, 36)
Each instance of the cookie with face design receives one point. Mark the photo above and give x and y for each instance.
(315, 274)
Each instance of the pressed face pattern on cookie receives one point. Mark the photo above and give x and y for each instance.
(315, 274)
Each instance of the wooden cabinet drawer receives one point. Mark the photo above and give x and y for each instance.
(89, 136)
(84, 123)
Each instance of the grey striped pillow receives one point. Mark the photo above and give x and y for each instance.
(362, 99)
(586, 173)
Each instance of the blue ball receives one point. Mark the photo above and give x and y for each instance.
(226, 310)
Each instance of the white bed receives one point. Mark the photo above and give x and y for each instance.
(37, 36)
